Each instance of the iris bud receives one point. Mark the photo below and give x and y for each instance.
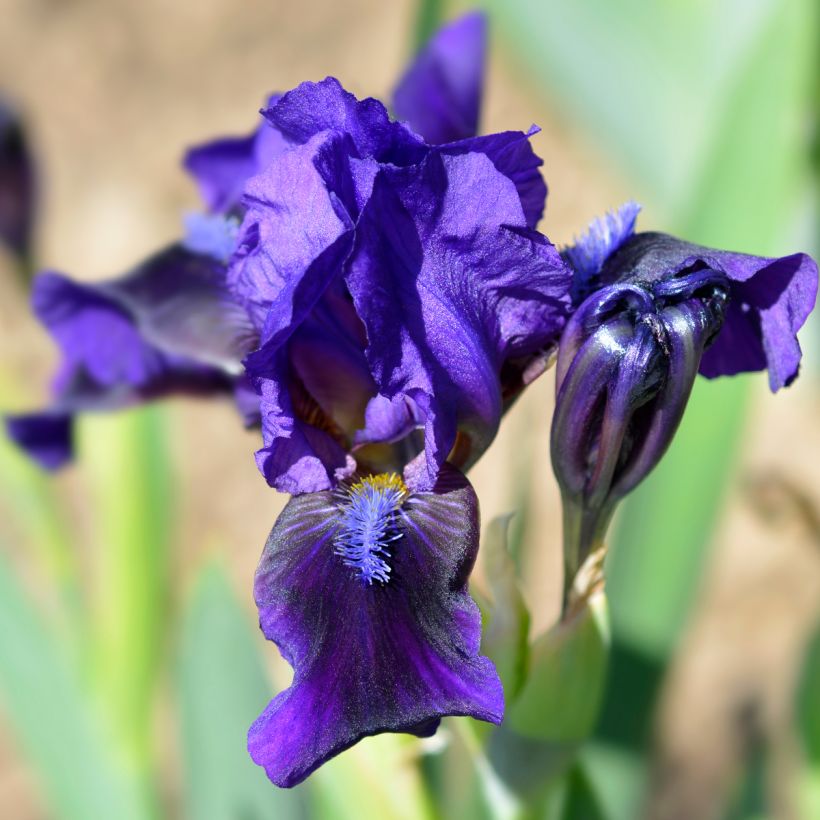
(627, 361)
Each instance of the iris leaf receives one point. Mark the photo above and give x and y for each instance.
(130, 493)
(565, 682)
(221, 687)
(44, 704)
(506, 619)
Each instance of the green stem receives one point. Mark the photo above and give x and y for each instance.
(429, 16)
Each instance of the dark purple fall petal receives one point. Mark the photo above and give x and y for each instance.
(370, 658)
(45, 437)
(168, 327)
(440, 93)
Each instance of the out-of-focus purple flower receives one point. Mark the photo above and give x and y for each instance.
(17, 183)
(222, 166)
(398, 289)
(439, 95)
(169, 326)
(364, 590)
(653, 312)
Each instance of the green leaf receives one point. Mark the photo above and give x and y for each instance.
(44, 704)
(663, 531)
(507, 621)
(129, 490)
(618, 775)
(31, 505)
(580, 800)
(565, 683)
(222, 688)
(377, 779)
(808, 703)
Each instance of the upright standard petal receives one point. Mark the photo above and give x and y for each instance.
(311, 108)
(222, 166)
(364, 591)
(450, 283)
(346, 211)
(440, 93)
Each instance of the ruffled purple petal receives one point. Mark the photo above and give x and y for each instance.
(312, 108)
(511, 153)
(296, 233)
(45, 437)
(449, 283)
(370, 658)
(440, 93)
(771, 300)
(17, 183)
(302, 450)
(223, 166)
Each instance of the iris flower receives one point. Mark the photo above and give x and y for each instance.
(402, 299)
(168, 327)
(651, 312)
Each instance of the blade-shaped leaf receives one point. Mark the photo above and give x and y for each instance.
(222, 687)
(562, 694)
(130, 494)
(507, 621)
(44, 704)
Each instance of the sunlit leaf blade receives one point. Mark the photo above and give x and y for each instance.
(808, 703)
(566, 677)
(129, 491)
(222, 687)
(618, 776)
(665, 526)
(29, 502)
(383, 774)
(42, 701)
(506, 619)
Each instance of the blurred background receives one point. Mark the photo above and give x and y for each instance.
(130, 661)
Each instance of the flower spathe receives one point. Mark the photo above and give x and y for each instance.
(390, 649)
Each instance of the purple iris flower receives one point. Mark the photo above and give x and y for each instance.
(17, 184)
(222, 166)
(402, 299)
(169, 326)
(399, 289)
(653, 311)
